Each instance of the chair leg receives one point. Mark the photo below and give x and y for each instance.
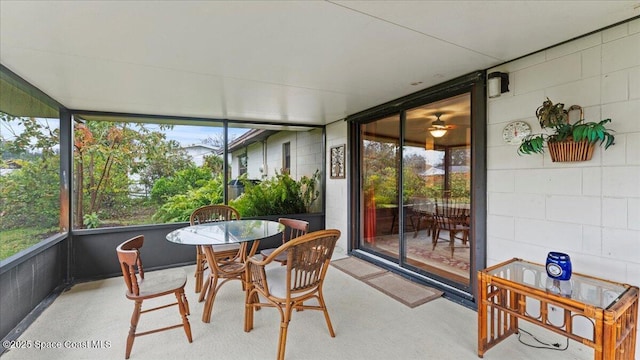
(183, 306)
(199, 268)
(284, 325)
(248, 311)
(135, 317)
(434, 237)
(326, 313)
(417, 228)
(452, 237)
(205, 287)
(185, 302)
(211, 291)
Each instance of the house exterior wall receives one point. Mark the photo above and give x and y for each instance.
(306, 156)
(274, 153)
(337, 194)
(590, 210)
(198, 153)
(254, 161)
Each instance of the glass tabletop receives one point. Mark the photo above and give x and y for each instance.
(225, 232)
(585, 289)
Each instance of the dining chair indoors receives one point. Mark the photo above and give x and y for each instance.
(424, 211)
(140, 288)
(453, 218)
(289, 287)
(293, 229)
(206, 214)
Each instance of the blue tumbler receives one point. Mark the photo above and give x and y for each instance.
(558, 266)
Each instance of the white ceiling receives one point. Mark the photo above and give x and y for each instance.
(311, 62)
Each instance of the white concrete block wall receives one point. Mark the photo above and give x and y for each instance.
(308, 155)
(254, 161)
(274, 152)
(305, 154)
(337, 199)
(590, 210)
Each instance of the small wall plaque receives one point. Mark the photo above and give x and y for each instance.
(338, 162)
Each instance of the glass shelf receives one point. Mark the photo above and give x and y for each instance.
(585, 289)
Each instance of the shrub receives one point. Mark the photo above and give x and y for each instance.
(278, 195)
(179, 207)
(184, 180)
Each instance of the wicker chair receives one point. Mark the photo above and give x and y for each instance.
(140, 288)
(293, 229)
(288, 287)
(206, 214)
(223, 261)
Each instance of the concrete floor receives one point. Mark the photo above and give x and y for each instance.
(368, 325)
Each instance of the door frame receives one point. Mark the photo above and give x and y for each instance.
(475, 84)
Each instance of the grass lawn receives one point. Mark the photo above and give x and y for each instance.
(16, 240)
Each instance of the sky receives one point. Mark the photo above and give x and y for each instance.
(190, 135)
(185, 135)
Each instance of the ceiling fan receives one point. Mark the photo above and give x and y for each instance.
(438, 128)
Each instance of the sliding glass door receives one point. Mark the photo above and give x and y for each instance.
(416, 189)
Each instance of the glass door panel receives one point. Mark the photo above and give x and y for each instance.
(424, 154)
(436, 188)
(380, 162)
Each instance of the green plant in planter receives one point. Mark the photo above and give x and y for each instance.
(550, 114)
(555, 117)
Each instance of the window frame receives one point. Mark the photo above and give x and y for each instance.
(286, 156)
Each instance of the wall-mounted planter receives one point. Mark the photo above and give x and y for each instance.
(567, 141)
(566, 151)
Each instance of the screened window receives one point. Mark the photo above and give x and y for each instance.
(138, 170)
(242, 164)
(29, 170)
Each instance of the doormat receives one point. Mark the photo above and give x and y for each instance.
(407, 292)
(357, 268)
(403, 290)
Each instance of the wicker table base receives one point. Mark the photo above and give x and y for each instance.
(514, 289)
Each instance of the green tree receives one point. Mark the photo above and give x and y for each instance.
(160, 157)
(380, 175)
(29, 195)
(108, 154)
(215, 164)
(181, 182)
(103, 155)
(25, 136)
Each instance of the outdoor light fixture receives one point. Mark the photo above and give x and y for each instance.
(497, 84)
